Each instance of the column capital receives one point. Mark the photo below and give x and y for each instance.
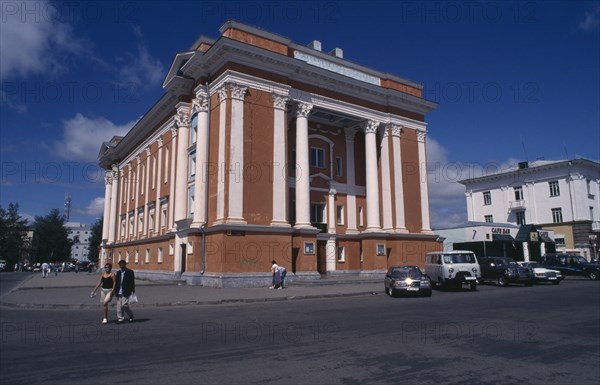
(108, 177)
(303, 109)
(147, 151)
(182, 118)
(222, 91)
(138, 159)
(238, 91)
(421, 136)
(396, 130)
(115, 169)
(174, 130)
(370, 126)
(160, 141)
(350, 133)
(200, 103)
(280, 101)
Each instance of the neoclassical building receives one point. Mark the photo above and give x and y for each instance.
(265, 149)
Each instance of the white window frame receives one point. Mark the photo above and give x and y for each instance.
(317, 157)
(341, 254)
(554, 188)
(339, 166)
(160, 255)
(380, 249)
(339, 213)
(309, 248)
(487, 198)
(557, 215)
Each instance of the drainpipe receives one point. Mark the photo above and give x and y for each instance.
(202, 229)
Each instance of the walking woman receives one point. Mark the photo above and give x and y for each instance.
(108, 282)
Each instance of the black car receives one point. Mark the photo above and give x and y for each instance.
(407, 280)
(571, 264)
(503, 270)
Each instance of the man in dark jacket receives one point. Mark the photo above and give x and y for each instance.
(124, 288)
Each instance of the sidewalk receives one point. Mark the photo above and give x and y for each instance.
(72, 291)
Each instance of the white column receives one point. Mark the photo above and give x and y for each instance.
(236, 155)
(221, 155)
(373, 223)
(108, 181)
(331, 254)
(525, 252)
(128, 200)
(531, 212)
(386, 185)
(201, 181)
(182, 120)
(159, 181)
(138, 159)
(350, 181)
(424, 185)
(302, 166)
(114, 217)
(398, 183)
(147, 191)
(172, 172)
(279, 161)
(331, 211)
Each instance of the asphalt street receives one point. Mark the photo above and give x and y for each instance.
(538, 335)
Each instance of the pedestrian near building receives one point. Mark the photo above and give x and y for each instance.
(108, 282)
(44, 270)
(124, 288)
(276, 276)
(283, 273)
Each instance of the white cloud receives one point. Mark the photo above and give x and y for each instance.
(447, 201)
(82, 137)
(33, 40)
(140, 69)
(94, 208)
(591, 20)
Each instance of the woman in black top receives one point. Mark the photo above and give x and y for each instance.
(108, 282)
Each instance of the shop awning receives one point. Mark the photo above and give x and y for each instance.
(502, 237)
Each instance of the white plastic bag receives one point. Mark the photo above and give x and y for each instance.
(133, 298)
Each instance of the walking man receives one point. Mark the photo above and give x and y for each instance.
(125, 286)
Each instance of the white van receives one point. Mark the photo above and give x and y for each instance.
(453, 268)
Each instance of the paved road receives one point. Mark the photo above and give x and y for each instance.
(540, 335)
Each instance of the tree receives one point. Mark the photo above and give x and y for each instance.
(51, 239)
(95, 240)
(13, 235)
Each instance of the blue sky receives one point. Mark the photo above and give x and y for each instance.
(514, 81)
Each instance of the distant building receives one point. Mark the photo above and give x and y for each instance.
(79, 234)
(261, 149)
(559, 196)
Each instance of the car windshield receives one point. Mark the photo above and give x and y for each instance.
(532, 264)
(505, 261)
(459, 258)
(413, 273)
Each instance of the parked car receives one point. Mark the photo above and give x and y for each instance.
(407, 280)
(503, 270)
(571, 264)
(452, 268)
(541, 274)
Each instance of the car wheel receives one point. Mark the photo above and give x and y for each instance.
(502, 281)
(473, 287)
(594, 275)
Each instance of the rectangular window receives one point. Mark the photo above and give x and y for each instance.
(309, 247)
(191, 197)
(151, 220)
(317, 211)
(340, 215)
(193, 129)
(171, 249)
(131, 224)
(160, 255)
(489, 218)
(339, 166)
(557, 215)
(140, 223)
(317, 157)
(190, 247)
(380, 249)
(487, 198)
(521, 218)
(127, 256)
(518, 193)
(554, 190)
(192, 165)
(592, 213)
(147, 260)
(340, 254)
(137, 256)
(163, 216)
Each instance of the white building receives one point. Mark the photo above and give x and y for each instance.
(562, 196)
(79, 234)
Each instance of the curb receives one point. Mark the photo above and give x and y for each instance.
(30, 306)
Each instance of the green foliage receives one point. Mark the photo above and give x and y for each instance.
(50, 238)
(95, 240)
(13, 235)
